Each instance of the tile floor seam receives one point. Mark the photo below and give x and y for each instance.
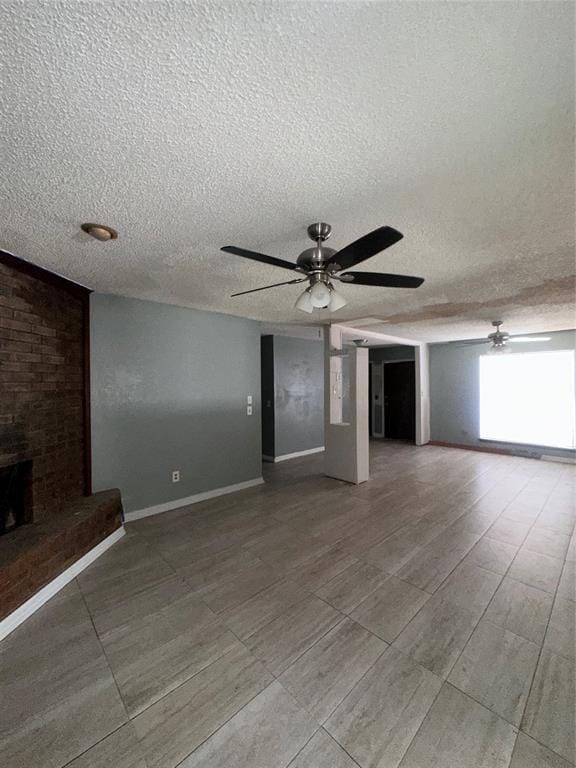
(484, 535)
(502, 577)
(545, 746)
(187, 680)
(219, 613)
(303, 746)
(180, 762)
(322, 724)
(277, 676)
(413, 661)
(249, 652)
(335, 740)
(466, 509)
(482, 704)
(390, 642)
(555, 599)
(84, 751)
(505, 575)
(433, 702)
(487, 709)
(441, 533)
(113, 676)
(532, 585)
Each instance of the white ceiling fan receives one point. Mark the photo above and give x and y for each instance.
(499, 340)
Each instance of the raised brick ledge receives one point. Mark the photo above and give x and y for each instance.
(33, 555)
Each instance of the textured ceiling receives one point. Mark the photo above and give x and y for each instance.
(188, 126)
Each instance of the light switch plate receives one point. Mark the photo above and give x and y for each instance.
(249, 410)
(249, 400)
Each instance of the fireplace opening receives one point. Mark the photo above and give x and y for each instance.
(15, 496)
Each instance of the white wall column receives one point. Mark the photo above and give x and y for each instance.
(422, 371)
(346, 410)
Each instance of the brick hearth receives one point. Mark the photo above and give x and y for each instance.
(33, 555)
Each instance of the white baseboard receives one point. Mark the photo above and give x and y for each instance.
(296, 455)
(26, 610)
(138, 514)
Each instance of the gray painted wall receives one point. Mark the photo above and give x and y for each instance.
(299, 394)
(298, 403)
(455, 389)
(169, 389)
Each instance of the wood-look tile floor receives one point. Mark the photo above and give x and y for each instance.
(423, 619)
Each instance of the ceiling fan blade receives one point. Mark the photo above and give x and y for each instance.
(275, 285)
(526, 339)
(365, 247)
(470, 342)
(262, 257)
(381, 279)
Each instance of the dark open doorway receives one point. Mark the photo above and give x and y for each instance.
(400, 401)
(392, 393)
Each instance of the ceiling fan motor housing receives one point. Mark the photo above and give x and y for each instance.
(499, 339)
(316, 257)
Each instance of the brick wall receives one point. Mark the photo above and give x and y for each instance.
(42, 382)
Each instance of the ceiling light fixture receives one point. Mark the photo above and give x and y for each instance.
(337, 301)
(304, 303)
(321, 295)
(99, 232)
(499, 349)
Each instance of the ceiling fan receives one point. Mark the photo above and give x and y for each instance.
(499, 340)
(321, 266)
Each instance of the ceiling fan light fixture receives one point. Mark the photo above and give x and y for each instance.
(498, 349)
(304, 303)
(337, 301)
(320, 295)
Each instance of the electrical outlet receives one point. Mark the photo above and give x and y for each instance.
(249, 400)
(176, 476)
(249, 410)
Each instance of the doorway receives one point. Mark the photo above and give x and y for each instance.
(393, 400)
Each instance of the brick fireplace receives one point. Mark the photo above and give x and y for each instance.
(44, 431)
(43, 414)
(15, 496)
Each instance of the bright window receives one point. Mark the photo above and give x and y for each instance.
(528, 398)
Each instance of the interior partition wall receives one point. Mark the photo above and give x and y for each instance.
(346, 393)
(346, 438)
